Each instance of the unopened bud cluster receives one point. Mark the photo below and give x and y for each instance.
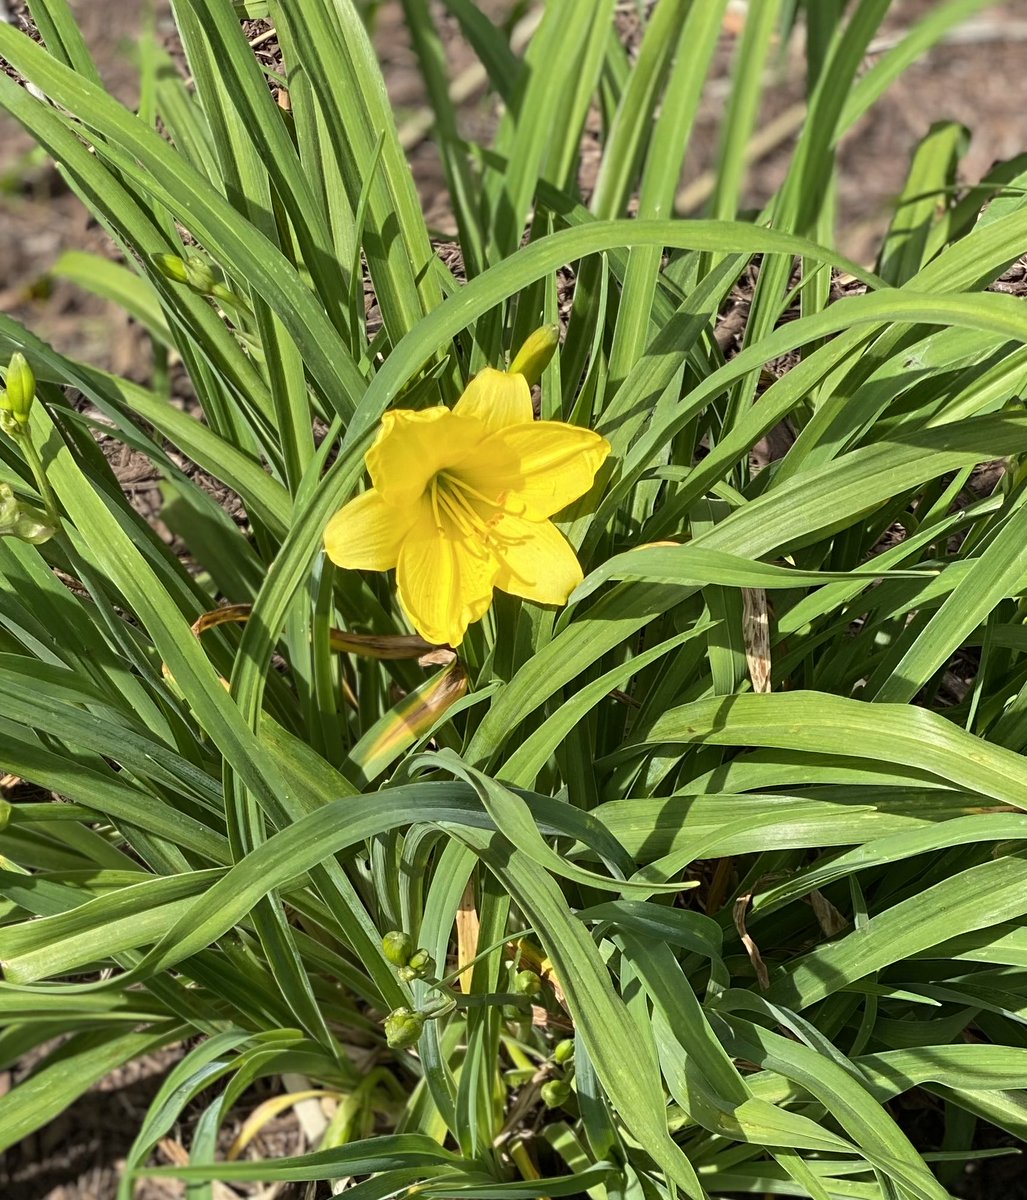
(403, 1026)
(18, 519)
(557, 1091)
(197, 275)
(410, 962)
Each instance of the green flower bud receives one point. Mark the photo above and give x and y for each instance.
(419, 966)
(172, 267)
(23, 521)
(555, 1092)
(421, 960)
(196, 273)
(533, 357)
(564, 1051)
(21, 389)
(527, 983)
(397, 947)
(199, 276)
(403, 1027)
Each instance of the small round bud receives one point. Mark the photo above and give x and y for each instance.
(403, 1027)
(397, 947)
(533, 357)
(421, 960)
(419, 966)
(555, 1092)
(22, 521)
(21, 388)
(563, 1051)
(527, 983)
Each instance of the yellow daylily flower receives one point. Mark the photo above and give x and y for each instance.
(461, 504)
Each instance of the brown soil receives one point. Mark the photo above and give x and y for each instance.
(977, 77)
(79, 1156)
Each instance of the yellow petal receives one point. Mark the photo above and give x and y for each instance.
(541, 467)
(366, 533)
(445, 580)
(412, 447)
(536, 560)
(496, 399)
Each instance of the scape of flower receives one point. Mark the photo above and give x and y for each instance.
(461, 504)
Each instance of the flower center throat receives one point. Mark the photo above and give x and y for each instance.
(454, 499)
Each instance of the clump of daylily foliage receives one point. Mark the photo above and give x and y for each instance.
(590, 758)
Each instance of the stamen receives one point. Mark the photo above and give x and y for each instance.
(451, 498)
(458, 513)
(502, 502)
(464, 486)
(450, 504)
(435, 503)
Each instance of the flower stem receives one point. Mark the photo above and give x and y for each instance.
(35, 463)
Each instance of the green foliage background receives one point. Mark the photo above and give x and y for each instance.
(224, 862)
